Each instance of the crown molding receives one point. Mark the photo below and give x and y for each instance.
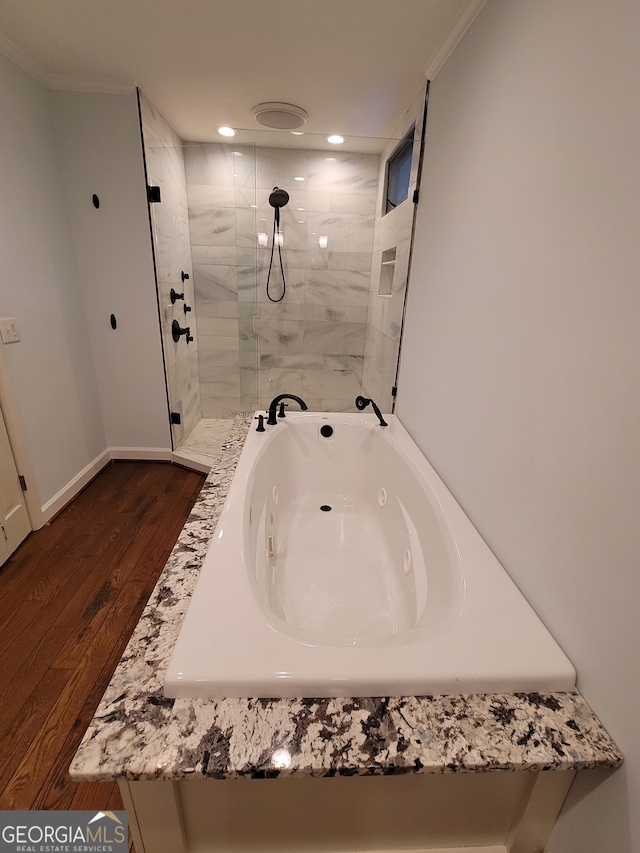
(69, 83)
(466, 18)
(64, 82)
(20, 58)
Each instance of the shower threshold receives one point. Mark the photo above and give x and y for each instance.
(203, 444)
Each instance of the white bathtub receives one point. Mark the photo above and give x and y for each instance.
(342, 566)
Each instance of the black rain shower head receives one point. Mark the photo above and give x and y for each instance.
(278, 198)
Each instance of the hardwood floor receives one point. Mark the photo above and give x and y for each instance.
(70, 597)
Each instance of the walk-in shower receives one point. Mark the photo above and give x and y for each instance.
(297, 290)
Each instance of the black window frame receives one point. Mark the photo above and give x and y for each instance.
(398, 172)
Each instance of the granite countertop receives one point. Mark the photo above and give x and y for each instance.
(139, 734)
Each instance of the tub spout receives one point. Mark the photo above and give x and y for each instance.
(363, 402)
(274, 404)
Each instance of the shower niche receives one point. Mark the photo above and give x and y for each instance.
(387, 270)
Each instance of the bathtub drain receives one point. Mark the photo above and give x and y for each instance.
(325, 508)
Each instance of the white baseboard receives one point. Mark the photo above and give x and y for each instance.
(66, 494)
(62, 498)
(150, 454)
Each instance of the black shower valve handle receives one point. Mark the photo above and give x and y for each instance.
(186, 308)
(175, 296)
(184, 275)
(177, 332)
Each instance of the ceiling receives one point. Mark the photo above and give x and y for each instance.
(354, 65)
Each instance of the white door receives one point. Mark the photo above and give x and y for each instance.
(14, 518)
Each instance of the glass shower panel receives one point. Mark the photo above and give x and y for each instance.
(312, 342)
(164, 163)
(328, 326)
(221, 194)
(246, 242)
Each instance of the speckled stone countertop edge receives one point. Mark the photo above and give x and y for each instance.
(138, 734)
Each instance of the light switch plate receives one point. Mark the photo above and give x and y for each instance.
(9, 330)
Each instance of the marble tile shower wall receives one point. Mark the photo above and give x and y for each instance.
(165, 168)
(220, 191)
(312, 343)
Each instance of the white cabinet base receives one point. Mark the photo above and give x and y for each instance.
(498, 812)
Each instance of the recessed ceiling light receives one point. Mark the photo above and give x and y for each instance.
(226, 131)
(297, 133)
(335, 139)
(298, 178)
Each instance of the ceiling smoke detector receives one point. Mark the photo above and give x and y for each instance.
(280, 116)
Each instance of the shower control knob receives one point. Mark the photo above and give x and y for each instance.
(184, 275)
(177, 332)
(174, 296)
(186, 308)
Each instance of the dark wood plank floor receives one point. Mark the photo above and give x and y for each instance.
(70, 598)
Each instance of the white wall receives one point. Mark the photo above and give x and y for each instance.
(520, 374)
(101, 153)
(51, 368)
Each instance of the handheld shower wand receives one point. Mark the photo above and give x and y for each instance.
(278, 198)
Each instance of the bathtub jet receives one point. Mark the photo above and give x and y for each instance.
(344, 567)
